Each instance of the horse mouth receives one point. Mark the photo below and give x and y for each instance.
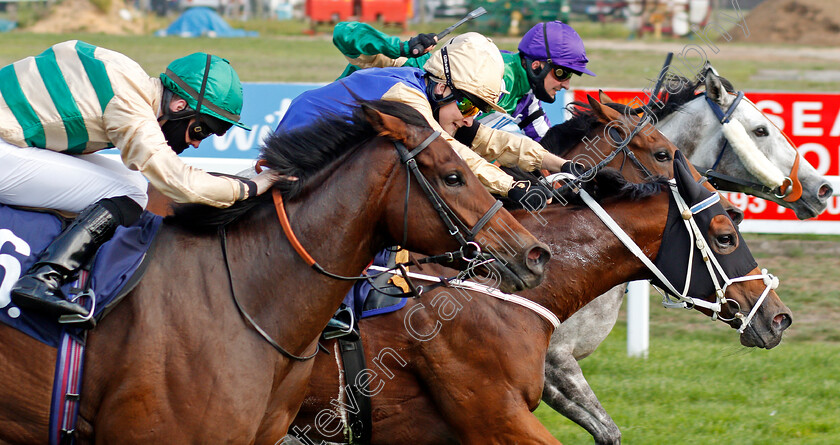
(513, 280)
(760, 337)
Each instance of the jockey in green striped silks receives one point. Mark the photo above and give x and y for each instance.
(59, 108)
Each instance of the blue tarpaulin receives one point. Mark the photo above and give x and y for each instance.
(202, 22)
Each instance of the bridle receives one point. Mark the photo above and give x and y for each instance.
(470, 251)
(672, 297)
(790, 188)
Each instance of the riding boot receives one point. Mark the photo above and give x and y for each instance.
(75, 247)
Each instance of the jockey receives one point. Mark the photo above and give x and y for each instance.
(549, 54)
(459, 80)
(74, 99)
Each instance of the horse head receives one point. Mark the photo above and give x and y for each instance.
(596, 130)
(443, 179)
(739, 147)
(716, 274)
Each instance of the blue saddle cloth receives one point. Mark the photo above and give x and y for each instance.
(24, 235)
(360, 297)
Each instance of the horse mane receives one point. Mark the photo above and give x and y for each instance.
(306, 151)
(561, 138)
(303, 153)
(608, 183)
(681, 91)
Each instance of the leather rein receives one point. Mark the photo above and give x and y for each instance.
(470, 251)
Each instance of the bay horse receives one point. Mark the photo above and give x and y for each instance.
(648, 146)
(458, 366)
(687, 118)
(176, 362)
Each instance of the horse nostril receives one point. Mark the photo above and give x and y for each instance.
(538, 257)
(825, 192)
(782, 321)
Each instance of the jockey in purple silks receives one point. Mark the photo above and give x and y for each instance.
(549, 54)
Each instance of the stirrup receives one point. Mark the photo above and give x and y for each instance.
(83, 321)
(339, 328)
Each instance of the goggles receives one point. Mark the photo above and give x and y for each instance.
(562, 74)
(466, 107)
(204, 127)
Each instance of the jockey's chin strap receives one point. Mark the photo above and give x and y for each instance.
(774, 183)
(674, 298)
(470, 251)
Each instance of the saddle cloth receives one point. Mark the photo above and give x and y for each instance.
(25, 234)
(366, 301)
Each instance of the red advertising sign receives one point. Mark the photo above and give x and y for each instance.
(812, 121)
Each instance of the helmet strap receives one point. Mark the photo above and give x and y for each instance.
(537, 80)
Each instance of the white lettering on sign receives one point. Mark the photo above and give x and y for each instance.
(823, 156)
(746, 202)
(772, 110)
(11, 268)
(800, 118)
(835, 129)
(833, 206)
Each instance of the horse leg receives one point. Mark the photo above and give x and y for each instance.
(567, 391)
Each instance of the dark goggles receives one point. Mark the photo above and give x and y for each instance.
(206, 126)
(561, 73)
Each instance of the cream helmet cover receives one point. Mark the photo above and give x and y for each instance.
(475, 66)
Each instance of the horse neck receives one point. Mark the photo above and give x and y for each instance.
(335, 222)
(587, 259)
(695, 131)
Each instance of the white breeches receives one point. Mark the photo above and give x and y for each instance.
(36, 177)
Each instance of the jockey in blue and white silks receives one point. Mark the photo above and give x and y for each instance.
(461, 78)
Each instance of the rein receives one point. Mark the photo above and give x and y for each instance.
(469, 251)
(789, 189)
(247, 317)
(683, 300)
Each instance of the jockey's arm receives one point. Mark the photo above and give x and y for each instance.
(366, 47)
(491, 176)
(133, 128)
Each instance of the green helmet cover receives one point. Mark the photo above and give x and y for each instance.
(222, 93)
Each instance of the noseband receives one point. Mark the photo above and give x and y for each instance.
(674, 298)
(790, 188)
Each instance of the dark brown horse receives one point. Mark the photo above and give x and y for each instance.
(177, 363)
(476, 380)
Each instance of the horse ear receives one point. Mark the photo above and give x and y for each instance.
(602, 96)
(689, 189)
(714, 88)
(385, 124)
(732, 210)
(604, 114)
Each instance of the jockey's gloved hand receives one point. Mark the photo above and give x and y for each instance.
(575, 169)
(418, 45)
(530, 195)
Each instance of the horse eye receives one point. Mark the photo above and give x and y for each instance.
(725, 241)
(662, 156)
(761, 132)
(453, 180)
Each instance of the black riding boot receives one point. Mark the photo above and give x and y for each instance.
(40, 288)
